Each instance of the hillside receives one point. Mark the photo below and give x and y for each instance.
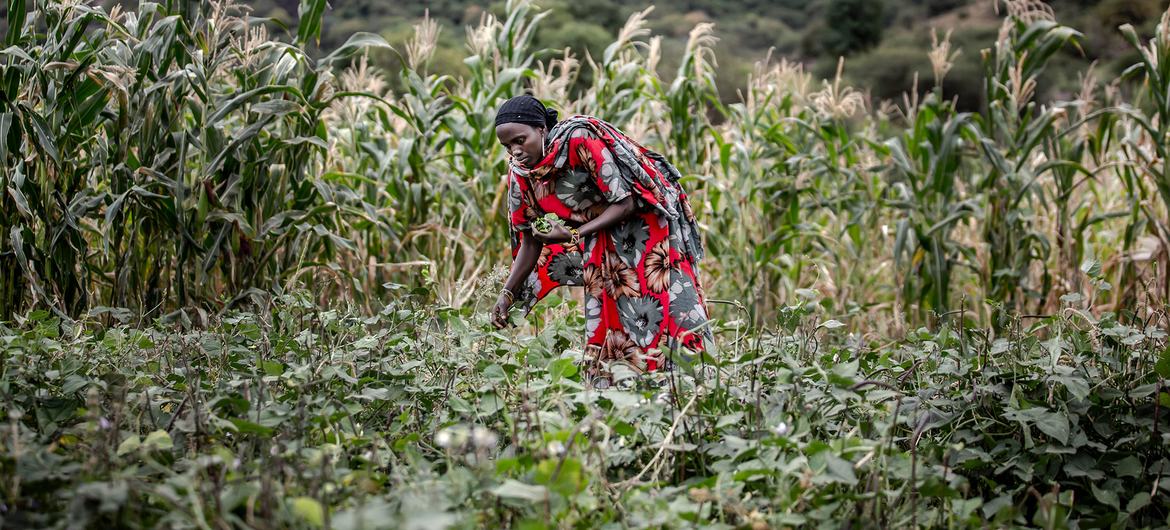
(885, 42)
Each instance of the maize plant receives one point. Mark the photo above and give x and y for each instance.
(1146, 149)
(930, 172)
(176, 160)
(1014, 129)
(163, 159)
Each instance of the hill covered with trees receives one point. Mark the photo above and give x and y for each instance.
(885, 42)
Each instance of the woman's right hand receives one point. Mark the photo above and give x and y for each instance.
(500, 312)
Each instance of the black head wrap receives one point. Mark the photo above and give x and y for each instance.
(528, 110)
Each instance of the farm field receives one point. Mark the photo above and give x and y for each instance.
(246, 285)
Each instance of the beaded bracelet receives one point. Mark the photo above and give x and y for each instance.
(576, 237)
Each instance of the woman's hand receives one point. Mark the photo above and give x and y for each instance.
(558, 234)
(500, 311)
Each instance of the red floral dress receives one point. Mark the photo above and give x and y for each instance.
(642, 290)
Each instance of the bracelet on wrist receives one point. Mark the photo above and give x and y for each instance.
(507, 292)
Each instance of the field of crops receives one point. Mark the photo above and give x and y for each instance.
(244, 286)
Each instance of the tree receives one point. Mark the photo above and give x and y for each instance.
(851, 26)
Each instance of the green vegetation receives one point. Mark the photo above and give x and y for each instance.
(545, 224)
(851, 26)
(886, 42)
(244, 282)
(300, 417)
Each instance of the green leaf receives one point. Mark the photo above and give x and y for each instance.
(246, 426)
(358, 42)
(272, 367)
(309, 510)
(495, 373)
(562, 369)
(516, 490)
(158, 440)
(1137, 502)
(490, 404)
(1091, 267)
(20, 200)
(564, 477)
(1077, 387)
(840, 469)
(40, 130)
(1105, 496)
(276, 107)
(17, 13)
(311, 13)
(129, 445)
(1162, 367)
(5, 127)
(507, 465)
(74, 383)
(239, 100)
(372, 515)
(1129, 466)
(374, 394)
(1055, 425)
(994, 506)
(415, 520)
(965, 507)
(622, 399)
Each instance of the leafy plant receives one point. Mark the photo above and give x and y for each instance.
(310, 416)
(173, 157)
(930, 185)
(1146, 147)
(1015, 130)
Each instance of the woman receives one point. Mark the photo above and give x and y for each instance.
(629, 238)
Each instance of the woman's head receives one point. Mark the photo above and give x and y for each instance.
(521, 126)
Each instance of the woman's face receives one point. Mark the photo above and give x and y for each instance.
(525, 143)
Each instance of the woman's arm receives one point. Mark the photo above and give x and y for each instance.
(522, 266)
(525, 261)
(613, 215)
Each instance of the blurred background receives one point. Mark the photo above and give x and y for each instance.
(884, 41)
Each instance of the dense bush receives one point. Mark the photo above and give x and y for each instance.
(851, 26)
(416, 418)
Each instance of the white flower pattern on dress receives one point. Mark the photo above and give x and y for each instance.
(641, 317)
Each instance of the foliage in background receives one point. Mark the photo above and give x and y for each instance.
(307, 417)
(851, 26)
(811, 32)
(165, 158)
(177, 161)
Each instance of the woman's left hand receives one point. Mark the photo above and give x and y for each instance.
(558, 234)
